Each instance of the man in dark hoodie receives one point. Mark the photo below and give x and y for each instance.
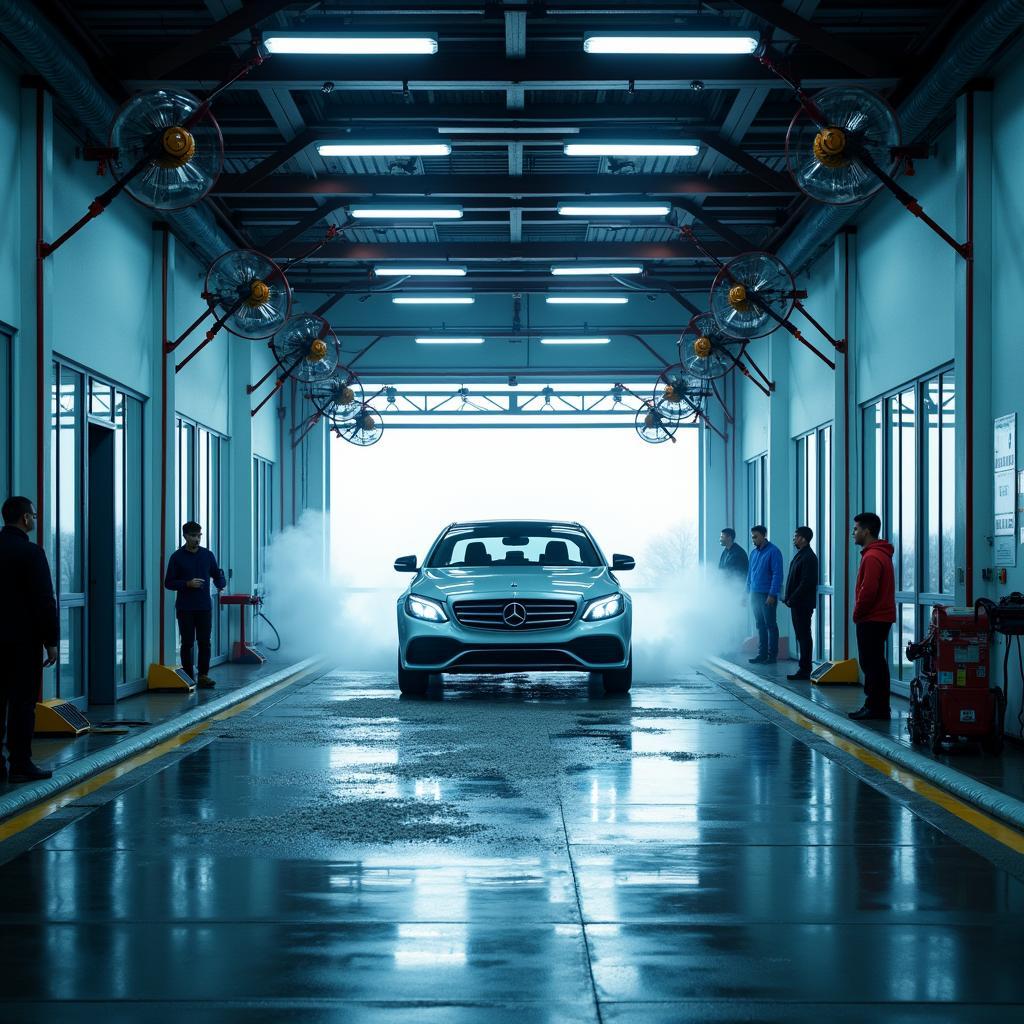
(733, 563)
(874, 612)
(801, 596)
(189, 572)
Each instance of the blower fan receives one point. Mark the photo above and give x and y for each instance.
(363, 429)
(841, 147)
(706, 351)
(306, 348)
(168, 149)
(337, 398)
(652, 426)
(679, 397)
(250, 291)
(752, 295)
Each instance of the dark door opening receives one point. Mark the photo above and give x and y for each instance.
(101, 635)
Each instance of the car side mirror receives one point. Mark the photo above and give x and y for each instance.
(623, 562)
(407, 563)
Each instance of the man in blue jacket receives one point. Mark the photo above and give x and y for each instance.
(764, 584)
(189, 572)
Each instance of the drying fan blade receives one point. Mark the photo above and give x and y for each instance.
(337, 398)
(307, 348)
(650, 424)
(705, 351)
(252, 289)
(677, 395)
(746, 289)
(364, 429)
(828, 162)
(166, 156)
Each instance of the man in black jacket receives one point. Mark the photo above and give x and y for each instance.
(802, 596)
(733, 562)
(28, 624)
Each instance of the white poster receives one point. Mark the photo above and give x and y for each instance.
(1004, 551)
(1005, 465)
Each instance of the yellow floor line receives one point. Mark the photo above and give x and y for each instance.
(34, 814)
(992, 827)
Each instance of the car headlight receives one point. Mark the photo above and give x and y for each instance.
(604, 608)
(424, 608)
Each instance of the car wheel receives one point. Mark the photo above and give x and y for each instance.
(619, 680)
(411, 681)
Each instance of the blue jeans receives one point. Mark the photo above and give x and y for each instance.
(767, 625)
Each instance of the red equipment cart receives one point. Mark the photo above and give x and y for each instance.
(241, 652)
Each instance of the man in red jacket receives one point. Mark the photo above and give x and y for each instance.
(874, 612)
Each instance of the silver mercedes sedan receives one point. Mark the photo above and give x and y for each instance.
(514, 596)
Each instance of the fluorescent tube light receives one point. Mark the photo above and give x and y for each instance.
(419, 271)
(631, 149)
(575, 341)
(433, 300)
(410, 213)
(635, 210)
(449, 341)
(503, 130)
(384, 148)
(586, 300)
(673, 43)
(582, 270)
(348, 44)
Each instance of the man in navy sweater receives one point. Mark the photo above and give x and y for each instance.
(764, 584)
(189, 572)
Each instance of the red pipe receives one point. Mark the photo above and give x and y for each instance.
(969, 360)
(40, 332)
(165, 259)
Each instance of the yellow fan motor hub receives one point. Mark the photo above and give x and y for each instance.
(369, 423)
(830, 147)
(346, 396)
(177, 147)
(317, 351)
(671, 395)
(649, 420)
(702, 347)
(738, 298)
(259, 293)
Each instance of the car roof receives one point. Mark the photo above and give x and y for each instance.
(531, 522)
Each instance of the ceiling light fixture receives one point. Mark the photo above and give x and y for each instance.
(631, 149)
(419, 271)
(721, 43)
(508, 130)
(410, 213)
(348, 44)
(586, 300)
(449, 341)
(583, 270)
(575, 341)
(384, 148)
(433, 300)
(633, 210)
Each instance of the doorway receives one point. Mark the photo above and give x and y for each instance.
(101, 632)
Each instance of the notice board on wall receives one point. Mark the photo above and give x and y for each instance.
(1005, 467)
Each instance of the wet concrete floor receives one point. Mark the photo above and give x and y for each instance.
(510, 849)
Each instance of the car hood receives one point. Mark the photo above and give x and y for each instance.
(576, 582)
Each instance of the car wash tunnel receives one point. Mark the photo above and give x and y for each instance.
(511, 512)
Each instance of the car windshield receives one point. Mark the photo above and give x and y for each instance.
(512, 543)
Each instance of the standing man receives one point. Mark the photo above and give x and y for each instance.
(764, 583)
(801, 596)
(733, 563)
(28, 624)
(189, 571)
(874, 612)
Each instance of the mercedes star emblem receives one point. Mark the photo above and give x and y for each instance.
(514, 614)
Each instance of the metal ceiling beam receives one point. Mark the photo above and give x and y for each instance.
(459, 72)
(303, 224)
(532, 185)
(813, 36)
(504, 251)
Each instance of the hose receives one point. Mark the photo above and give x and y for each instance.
(278, 635)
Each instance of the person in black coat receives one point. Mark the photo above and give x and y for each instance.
(733, 563)
(28, 624)
(801, 595)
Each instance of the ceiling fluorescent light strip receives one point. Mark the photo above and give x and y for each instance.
(384, 148)
(575, 341)
(634, 210)
(508, 130)
(694, 43)
(433, 300)
(401, 271)
(631, 149)
(411, 213)
(586, 300)
(582, 270)
(348, 44)
(449, 341)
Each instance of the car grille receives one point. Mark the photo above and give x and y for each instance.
(540, 613)
(436, 650)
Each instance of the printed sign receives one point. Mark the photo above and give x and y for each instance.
(1004, 451)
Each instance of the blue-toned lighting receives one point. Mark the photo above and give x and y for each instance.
(348, 44)
(604, 608)
(424, 608)
(721, 43)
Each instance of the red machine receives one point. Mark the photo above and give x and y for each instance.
(241, 652)
(953, 696)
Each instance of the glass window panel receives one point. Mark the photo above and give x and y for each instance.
(101, 399)
(134, 640)
(801, 478)
(203, 479)
(69, 490)
(825, 516)
(824, 645)
(6, 424)
(908, 498)
(119, 643)
(947, 497)
(119, 490)
(70, 683)
(930, 510)
(873, 459)
(49, 513)
(906, 632)
(134, 499)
